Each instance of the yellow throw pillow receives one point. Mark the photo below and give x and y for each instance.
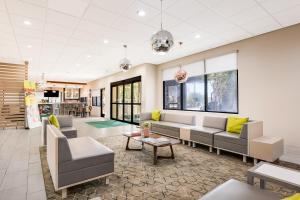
(235, 124)
(53, 120)
(293, 197)
(155, 115)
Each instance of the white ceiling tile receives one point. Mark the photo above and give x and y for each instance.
(112, 6)
(278, 5)
(100, 16)
(2, 5)
(58, 30)
(261, 26)
(72, 7)
(50, 37)
(289, 16)
(156, 3)
(168, 21)
(4, 36)
(229, 7)
(131, 12)
(184, 9)
(18, 22)
(4, 19)
(182, 29)
(25, 9)
(249, 15)
(42, 3)
(61, 19)
(29, 33)
(206, 19)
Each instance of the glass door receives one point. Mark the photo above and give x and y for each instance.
(102, 105)
(126, 100)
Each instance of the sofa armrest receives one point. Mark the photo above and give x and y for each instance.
(145, 116)
(251, 130)
(65, 121)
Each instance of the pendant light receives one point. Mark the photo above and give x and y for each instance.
(42, 84)
(162, 41)
(181, 75)
(125, 64)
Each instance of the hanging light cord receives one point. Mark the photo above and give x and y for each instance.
(125, 50)
(161, 25)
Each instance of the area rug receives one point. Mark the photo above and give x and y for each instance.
(193, 173)
(106, 124)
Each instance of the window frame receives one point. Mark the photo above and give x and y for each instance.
(205, 96)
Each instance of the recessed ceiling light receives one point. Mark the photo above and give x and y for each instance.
(197, 36)
(29, 46)
(105, 41)
(88, 56)
(141, 13)
(26, 22)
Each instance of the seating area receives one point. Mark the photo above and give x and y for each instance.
(149, 99)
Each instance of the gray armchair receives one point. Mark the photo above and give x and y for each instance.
(77, 160)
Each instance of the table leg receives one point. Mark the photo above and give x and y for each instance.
(250, 180)
(262, 184)
(172, 152)
(127, 146)
(154, 155)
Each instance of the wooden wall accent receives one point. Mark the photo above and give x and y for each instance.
(12, 105)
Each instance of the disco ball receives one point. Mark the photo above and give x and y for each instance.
(181, 76)
(162, 41)
(125, 64)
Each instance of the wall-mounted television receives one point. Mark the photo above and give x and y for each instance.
(51, 93)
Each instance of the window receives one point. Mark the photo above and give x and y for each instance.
(212, 86)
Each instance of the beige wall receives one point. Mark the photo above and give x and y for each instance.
(147, 71)
(269, 83)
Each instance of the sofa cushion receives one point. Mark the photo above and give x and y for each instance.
(169, 125)
(65, 121)
(86, 152)
(181, 119)
(214, 122)
(230, 138)
(206, 130)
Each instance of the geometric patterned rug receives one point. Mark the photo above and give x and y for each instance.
(192, 173)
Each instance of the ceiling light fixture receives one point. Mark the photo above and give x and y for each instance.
(42, 84)
(162, 41)
(197, 36)
(125, 64)
(27, 23)
(105, 41)
(181, 74)
(141, 13)
(88, 56)
(29, 46)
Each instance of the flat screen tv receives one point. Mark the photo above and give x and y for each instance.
(51, 93)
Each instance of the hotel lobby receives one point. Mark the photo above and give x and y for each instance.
(149, 99)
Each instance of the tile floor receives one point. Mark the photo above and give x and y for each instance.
(20, 165)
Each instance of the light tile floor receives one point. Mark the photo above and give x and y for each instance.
(20, 165)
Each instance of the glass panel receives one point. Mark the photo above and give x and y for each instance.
(137, 92)
(127, 113)
(193, 93)
(98, 101)
(172, 95)
(127, 93)
(114, 94)
(120, 94)
(222, 92)
(120, 111)
(114, 111)
(136, 113)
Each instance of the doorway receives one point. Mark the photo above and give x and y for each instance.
(126, 100)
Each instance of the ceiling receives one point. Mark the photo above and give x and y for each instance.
(81, 40)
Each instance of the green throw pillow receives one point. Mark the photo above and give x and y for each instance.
(235, 124)
(155, 115)
(53, 120)
(293, 197)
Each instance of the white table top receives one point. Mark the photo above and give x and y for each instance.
(280, 173)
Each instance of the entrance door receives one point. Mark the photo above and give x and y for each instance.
(102, 105)
(126, 100)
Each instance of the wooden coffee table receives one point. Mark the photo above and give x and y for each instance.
(155, 145)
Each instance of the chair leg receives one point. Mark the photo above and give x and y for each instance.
(194, 144)
(244, 159)
(218, 151)
(64, 193)
(106, 180)
(210, 149)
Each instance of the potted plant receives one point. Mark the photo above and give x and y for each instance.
(145, 129)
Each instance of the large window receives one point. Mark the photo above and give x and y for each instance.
(126, 100)
(212, 86)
